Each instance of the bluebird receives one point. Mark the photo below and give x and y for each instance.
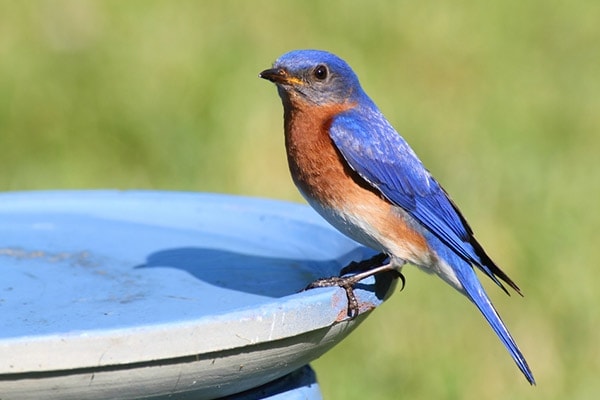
(358, 173)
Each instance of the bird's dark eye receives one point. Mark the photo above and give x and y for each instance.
(321, 72)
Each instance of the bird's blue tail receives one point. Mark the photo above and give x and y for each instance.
(475, 292)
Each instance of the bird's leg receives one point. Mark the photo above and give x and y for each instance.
(364, 265)
(347, 283)
(368, 264)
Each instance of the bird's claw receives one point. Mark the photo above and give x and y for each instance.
(402, 279)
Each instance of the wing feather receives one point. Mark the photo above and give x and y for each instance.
(382, 157)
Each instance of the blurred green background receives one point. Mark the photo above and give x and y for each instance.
(500, 99)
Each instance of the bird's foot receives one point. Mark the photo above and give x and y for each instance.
(363, 269)
(346, 283)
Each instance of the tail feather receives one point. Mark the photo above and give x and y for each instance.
(460, 274)
(477, 295)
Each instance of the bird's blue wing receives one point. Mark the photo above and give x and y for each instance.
(382, 157)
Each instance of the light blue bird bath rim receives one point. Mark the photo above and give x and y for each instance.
(109, 294)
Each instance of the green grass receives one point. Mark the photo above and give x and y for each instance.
(501, 101)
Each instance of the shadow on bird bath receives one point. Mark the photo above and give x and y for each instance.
(255, 274)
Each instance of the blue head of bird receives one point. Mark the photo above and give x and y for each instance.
(315, 77)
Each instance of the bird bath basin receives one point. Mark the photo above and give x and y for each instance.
(108, 294)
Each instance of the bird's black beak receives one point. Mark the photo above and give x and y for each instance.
(279, 76)
(275, 75)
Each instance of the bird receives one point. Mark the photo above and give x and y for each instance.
(361, 176)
